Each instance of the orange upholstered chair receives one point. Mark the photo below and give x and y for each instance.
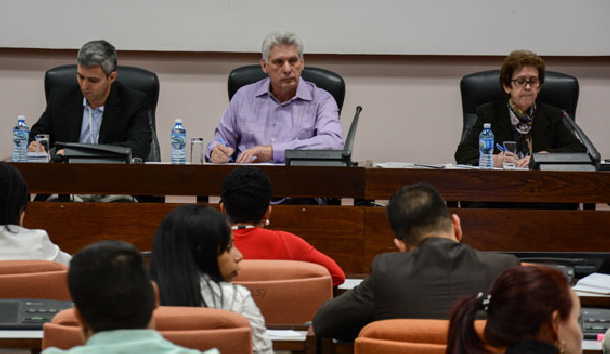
(192, 327)
(407, 336)
(33, 279)
(286, 292)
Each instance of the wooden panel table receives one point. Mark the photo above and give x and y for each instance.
(350, 234)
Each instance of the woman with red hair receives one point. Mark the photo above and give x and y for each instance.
(530, 309)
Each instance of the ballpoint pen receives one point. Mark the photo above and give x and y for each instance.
(500, 147)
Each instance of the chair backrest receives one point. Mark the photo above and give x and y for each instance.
(139, 79)
(29, 266)
(559, 90)
(33, 279)
(408, 336)
(328, 80)
(192, 327)
(286, 292)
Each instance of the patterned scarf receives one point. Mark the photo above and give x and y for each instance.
(522, 125)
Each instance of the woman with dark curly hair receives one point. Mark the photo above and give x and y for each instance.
(534, 125)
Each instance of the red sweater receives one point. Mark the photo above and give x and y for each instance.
(259, 243)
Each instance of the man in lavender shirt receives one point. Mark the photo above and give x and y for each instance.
(278, 113)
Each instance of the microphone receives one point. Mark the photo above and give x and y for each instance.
(584, 139)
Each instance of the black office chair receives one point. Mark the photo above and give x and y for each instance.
(328, 80)
(140, 79)
(559, 90)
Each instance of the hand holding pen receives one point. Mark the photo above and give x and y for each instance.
(221, 153)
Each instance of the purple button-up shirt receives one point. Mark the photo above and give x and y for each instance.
(309, 120)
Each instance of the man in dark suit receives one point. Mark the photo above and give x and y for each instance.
(97, 109)
(431, 270)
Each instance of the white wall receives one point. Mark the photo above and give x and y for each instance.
(432, 27)
(412, 109)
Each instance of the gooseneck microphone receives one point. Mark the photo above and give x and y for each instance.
(584, 139)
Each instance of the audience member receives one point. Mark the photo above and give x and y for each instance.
(114, 300)
(193, 261)
(431, 270)
(16, 241)
(530, 309)
(246, 195)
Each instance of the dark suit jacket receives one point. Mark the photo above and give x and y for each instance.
(124, 122)
(423, 283)
(548, 131)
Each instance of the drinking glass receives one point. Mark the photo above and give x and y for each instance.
(197, 151)
(510, 154)
(43, 140)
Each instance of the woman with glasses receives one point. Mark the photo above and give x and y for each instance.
(534, 125)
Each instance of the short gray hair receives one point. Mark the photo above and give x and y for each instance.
(281, 38)
(96, 53)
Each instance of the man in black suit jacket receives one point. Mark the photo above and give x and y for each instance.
(98, 109)
(432, 270)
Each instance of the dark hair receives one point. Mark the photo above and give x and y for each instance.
(110, 287)
(246, 193)
(187, 245)
(521, 302)
(13, 195)
(517, 60)
(416, 210)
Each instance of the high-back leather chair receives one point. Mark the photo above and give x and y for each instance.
(286, 292)
(559, 90)
(328, 80)
(192, 327)
(142, 80)
(408, 336)
(35, 279)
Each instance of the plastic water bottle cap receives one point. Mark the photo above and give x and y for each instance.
(21, 117)
(487, 125)
(178, 121)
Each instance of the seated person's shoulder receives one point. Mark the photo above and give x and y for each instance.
(491, 108)
(385, 261)
(130, 96)
(500, 259)
(317, 92)
(251, 90)
(550, 111)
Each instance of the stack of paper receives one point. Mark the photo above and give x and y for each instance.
(598, 283)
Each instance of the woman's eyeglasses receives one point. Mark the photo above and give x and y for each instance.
(522, 81)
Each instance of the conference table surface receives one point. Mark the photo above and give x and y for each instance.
(352, 235)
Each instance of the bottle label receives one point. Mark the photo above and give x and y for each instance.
(178, 141)
(486, 144)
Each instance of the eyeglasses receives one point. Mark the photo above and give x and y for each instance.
(522, 81)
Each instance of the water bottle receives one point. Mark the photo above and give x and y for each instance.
(21, 137)
(178, 143)
(486, 147)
